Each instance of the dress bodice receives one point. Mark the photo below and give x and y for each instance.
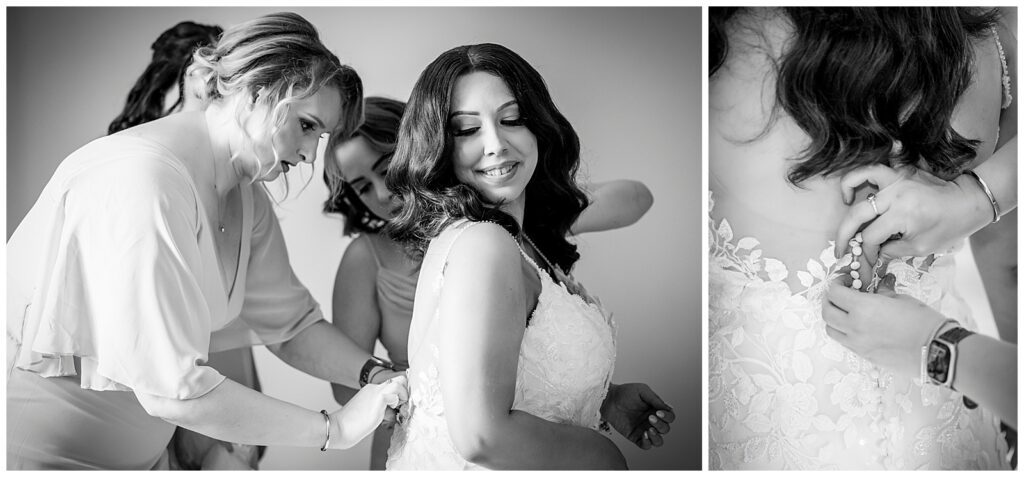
(566, 360)
(784, 395)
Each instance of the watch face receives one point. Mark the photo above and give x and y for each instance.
(938, 361)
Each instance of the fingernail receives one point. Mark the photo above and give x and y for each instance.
(653, 419)
(660, 414)
(889, 280)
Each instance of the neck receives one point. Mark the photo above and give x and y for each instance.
(517, 209)
(221, 130)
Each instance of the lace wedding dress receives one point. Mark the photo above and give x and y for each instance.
(783, 395)
(565, 364)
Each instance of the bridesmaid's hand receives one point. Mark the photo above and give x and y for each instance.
(366, 410)
(637, 413)
(914, 212)
(885, 328)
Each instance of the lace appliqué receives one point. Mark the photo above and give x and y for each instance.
(783, 395)
(566, 361)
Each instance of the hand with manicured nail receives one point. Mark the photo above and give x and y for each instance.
(917, 212)
(636, 412)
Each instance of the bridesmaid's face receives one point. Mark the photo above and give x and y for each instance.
(364, 169)
(307, 122)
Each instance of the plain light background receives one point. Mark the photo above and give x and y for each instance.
(627, 78)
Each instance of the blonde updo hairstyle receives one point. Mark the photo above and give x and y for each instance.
(274, 61)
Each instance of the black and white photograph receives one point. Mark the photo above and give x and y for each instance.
(470, 238)
(862, 228)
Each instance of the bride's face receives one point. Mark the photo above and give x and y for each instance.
(494, 152)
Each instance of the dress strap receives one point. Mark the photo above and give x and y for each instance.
(465, 224)
(1007, 96)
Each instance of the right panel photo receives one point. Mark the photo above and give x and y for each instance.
(862, 245)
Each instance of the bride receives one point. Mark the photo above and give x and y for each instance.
(510, 360)
(798, 96)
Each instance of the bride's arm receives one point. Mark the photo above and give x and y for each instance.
(483, 307)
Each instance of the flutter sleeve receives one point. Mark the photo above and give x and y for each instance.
(277, 305)
(119, 281)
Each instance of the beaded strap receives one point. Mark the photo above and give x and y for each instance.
(542, 257)
(1007, 96)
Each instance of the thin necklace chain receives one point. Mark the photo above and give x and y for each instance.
(216, 195)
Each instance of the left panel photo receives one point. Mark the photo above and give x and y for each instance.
(353, 238)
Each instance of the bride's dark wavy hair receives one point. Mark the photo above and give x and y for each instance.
(421, 171)
(872, 85)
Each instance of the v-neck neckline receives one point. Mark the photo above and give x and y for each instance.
(232, 291)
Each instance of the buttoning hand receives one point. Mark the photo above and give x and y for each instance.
(366, 410)
(885, 328)
(917, 213)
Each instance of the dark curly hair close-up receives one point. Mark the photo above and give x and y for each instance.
(422, 175)
(870, 85)
(380, 130)
(172, 53)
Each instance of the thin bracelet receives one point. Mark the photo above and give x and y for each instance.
(374, 375)
(927, 344)
(988, 192)
(327, 420)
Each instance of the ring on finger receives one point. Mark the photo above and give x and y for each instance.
(871, 200)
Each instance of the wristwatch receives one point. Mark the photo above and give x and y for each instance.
(372, 362)
(942, 356)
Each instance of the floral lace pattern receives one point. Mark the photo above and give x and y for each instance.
(565, 365)
(783, 395)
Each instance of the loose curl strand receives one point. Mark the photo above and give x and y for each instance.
(272, 62)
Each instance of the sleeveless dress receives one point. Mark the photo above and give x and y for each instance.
(565, 365)
(396, 291)
(784, 395)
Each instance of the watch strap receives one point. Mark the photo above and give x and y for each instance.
(955, 335)
(372, 362)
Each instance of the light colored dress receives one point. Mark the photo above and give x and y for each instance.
(565, 363)
(396, 291)
(113, 285)
(783, 395)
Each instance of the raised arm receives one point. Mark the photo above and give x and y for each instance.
(354, 305)
(483, 307)
(613, 204)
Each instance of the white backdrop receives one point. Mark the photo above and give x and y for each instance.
(628, 79)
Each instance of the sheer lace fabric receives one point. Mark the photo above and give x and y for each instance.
(783, 395)
(565, 363)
